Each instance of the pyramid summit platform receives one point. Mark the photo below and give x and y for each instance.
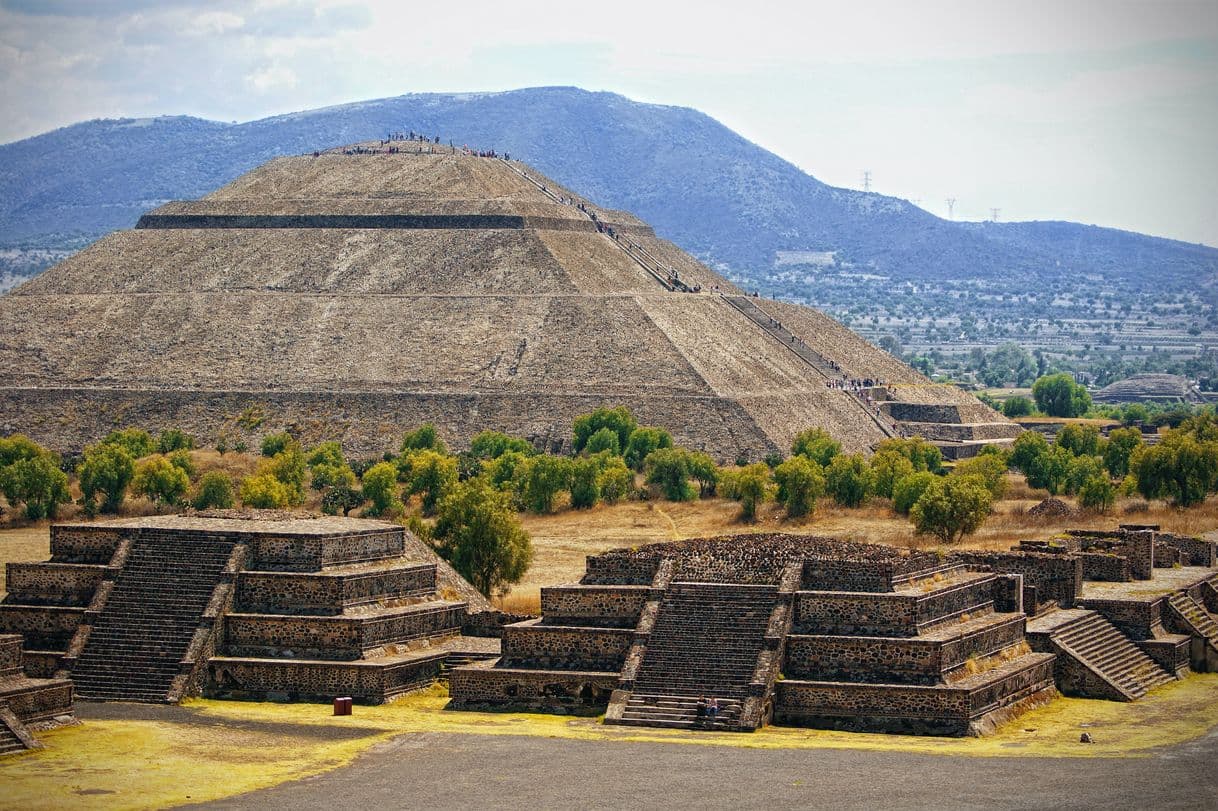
(355, 293)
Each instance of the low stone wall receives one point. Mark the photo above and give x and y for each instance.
(1168, 556)
(480, 685)
(1172, 654)
(75, 543)
(825, 574)
(1199, 552)
(600, 606)
(40, 702)
(608, 569)
(314, 552)
(340, 638)
(42, 627)
(313, 593)
(371, 683)
(1136, 545)
(1105, 566)
(10, 655)
(562, 648)
(67, 584)
(1055, 577)
(922, 412)
(838, 613)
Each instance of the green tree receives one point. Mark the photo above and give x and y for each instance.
(817, 445)
(1122, 443)
(1028, 445)
(1179, 468)
(172, 439)
(1081, 470)
(668, 468)
(182, 461)
(326, 453)
(800, 482)
(704, 471)
(424, 438)
(1080, 440)
(215, 491)
(1016, 407)
(951, 508)
(615, 481)
(848, 479)
(540, 479)
(501, 471)
(263, 491)
(619, 420)
(585, 481)
(160, 481)
(288, 466)
(643, 441)
(751, 485)
(1050, 470)
(479, 534)
(493, 444)
(428, 474)
(1059, 396)
(37, 482)
(136, 442)
(277, 443)
(326, 475)
(1098, 494)
(605, 440)
(341, 499)
(106, 471)
(17, 447)
(888, 468)
(1008, 363)
(922, 454)
(990, 468)
(907, 491)
(380, 486)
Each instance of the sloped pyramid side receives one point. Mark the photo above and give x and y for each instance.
(355, 295)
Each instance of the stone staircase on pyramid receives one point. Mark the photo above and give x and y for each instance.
(1094, 658)
(706, 642)
(1187, 616)
(138, 646)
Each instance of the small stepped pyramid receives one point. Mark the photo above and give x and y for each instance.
(1190, 617)
(706, 642)
(135, 648)
(1086, 640)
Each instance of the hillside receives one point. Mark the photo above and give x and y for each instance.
(1091, 299)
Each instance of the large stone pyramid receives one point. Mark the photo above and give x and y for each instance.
(357, 292)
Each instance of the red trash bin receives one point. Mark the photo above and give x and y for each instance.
(342, 706)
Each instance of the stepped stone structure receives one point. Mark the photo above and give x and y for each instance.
(27, 703)
(357, 292)
(794, 629)
(255, 604)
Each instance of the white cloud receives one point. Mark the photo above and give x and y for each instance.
(216, 22)
(271, 78)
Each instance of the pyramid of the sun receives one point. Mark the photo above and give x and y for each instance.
(359, 292)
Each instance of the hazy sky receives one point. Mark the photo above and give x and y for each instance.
(1099, 111)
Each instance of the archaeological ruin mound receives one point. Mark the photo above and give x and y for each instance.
(353, 293)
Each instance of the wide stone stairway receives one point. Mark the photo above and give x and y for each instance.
(707, 641)
(136, 645)
(1094, 657)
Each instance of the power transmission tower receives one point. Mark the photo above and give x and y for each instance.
(866, 180)
(994, 214)
(951, 207)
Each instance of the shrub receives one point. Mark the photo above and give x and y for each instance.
(1016, 407)
(619, 420)
(106, 471)
(800, 482)
(615, 481)
(643, 441)
(922, 454)
(1081, 470)
(160, 480)
(328, 475)
(887, 468)
(277, 443)
(668, 468)
(1059, 396)
(428, 474)
(605, 440)
(817, 445)
(1050, 470)
(288, 466)
(18, 447)
(341, 499)
(171, 439)
(424, 438)
(35, 481)
(479, 534)
(907, 491)
(1179, 468)
(501, 472)
(327, 453)
(1027, 446)
(136, 442)
(990, 468)
(848, 479)
(751, 486)
(182, 461)
(1098, 494)
(264, 492)
(704, 471)
(1080, 440)
(540, 479)
(380, 487)
(215, 491)
(493, 444)
(951, 508)
(585, 482)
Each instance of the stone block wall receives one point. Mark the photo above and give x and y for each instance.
(606, 606)
(1055, 577)
(530, 644)
(67, 584)
(619, 569)
(81, 543)
(1137, 619)
(922, 412)
(43, 627)
(548, 690)
(10, 655)
(319, 680)
(975, 596)
(827, 612)
(312, 593)
(314, 552)
(824, 574)
(1105, 566)
(1197, 551)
